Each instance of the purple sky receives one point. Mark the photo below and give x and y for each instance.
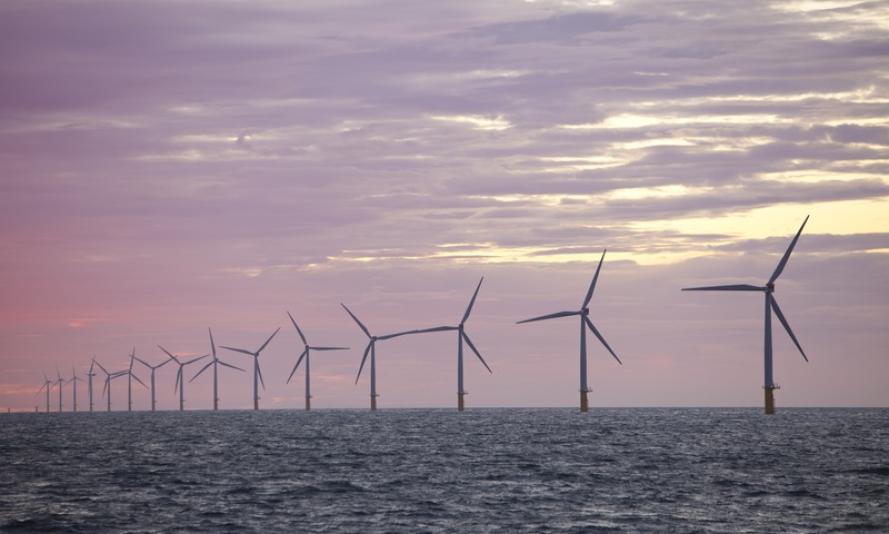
(169, 166)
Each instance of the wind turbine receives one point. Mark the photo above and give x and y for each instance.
(770, 304)
(371, 348)
(73, 381)
(461, 337)
(47, 385)
(306, 354)
(180, 379)
(89, 376)
(214, 362)
(257, 373)
(60, 381)
(130, 377)
(153, 369)
(108, 378)
(585, 323)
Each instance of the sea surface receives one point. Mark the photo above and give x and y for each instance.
(483, 470)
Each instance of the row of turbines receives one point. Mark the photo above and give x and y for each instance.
(771, 305)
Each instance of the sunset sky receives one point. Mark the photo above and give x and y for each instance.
(171, 166)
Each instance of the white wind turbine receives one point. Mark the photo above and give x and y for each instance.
(461, 337)
(770, 304)
(585, 323)
(89, 376)
(153, 369)
(109, 376)
(180, 378)
(73, 381)
(60, 381)
(257, 372)
(215, 362)
(47, 386)
(306, 354)
(371, 348)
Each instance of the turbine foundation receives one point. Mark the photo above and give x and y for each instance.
(308, 403)
(584, 402)
(770, 400)
(460, 404)
(373, 402)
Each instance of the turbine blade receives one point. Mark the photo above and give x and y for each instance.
(295, 367)
(363, 359)
(360, 324)
(230, 366)
(136, 378)
(602, 339)
(298, 331)
(102, 367)
(589, 293)
(472, 301)
(267, 341)
(242, 351)
(550, 316)
(475, 350)
(787, 326)
(143, 362)
(204, 368)
(92, 363)
(405, 333)
(259, 372)
(786, 256)
(193, 360)
(178, 378)
(734, 287)
(329, 348)
(212, 343)
(163, 363)
(168, 353)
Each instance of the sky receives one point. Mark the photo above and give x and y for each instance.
(173, 166)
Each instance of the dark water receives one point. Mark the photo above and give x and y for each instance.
(510, 470)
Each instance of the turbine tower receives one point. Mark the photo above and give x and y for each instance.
(371, 348)
(257, 372)
(770, 304)
(180, 379)
(215, 362)
(60, 382)
(73, 381)
(153, 369)
(461, 337)
(306, 354)
(89, 376)
(585, 323)
(47, 385)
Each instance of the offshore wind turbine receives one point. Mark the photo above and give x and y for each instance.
(130, 377)
(770, 304)
(585, 323)
(306, 354)
(180, 379)
(215, 362)
(372, 349)
(257, 372)
(73, 381)
(89, 376)
(109, 376)
(461, 337)
(47, 385)
(153, 369)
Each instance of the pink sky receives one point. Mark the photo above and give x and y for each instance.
(174, 166)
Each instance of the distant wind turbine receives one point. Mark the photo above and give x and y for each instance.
(153, 369)
(47, 386)
(109, 376)
(461, 337)
(215, 362)
(371, 348)
(306, 354)
(257, 372)
(180, 379)
(89, 376)
(73, 381)
(130, 377)
(585, 323)
(770, 304)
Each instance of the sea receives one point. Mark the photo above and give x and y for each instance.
(420, 470)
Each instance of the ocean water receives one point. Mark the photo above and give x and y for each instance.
(484, 470)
